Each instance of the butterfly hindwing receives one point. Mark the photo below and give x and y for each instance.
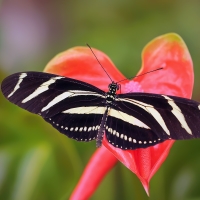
(160, 117)
(125, 131)
(80, 123)
(126, 136)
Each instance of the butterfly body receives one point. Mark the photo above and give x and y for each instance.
(83, 112)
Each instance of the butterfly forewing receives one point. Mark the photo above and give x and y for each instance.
(63, 102)
(48, 94)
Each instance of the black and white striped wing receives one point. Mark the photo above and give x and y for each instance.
(82, 111)
(61, 101)
(140, 120)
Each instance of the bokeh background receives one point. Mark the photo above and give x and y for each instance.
(36, 162)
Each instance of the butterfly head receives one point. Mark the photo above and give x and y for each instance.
(113, 87)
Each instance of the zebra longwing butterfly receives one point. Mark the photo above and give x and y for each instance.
(83, 112)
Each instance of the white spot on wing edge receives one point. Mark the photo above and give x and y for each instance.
(178, 114)
(17, 86)
(199, 107)
(42, 88)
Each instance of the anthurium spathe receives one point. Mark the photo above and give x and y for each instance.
(167, 51)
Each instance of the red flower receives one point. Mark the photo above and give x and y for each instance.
(167, 51)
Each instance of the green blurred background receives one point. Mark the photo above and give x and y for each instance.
(36, 162)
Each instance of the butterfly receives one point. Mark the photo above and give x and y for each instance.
(83, 112)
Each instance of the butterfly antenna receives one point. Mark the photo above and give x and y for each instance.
(142, 74)
(99, 62)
